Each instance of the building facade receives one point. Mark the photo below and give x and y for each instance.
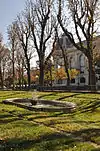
(76, 60)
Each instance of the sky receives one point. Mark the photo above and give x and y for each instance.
(9, 9)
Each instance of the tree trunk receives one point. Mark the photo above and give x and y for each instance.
(1, 77)
(13, 75)
(66, 66)
(22, 74)
(19, 77)
(68, 77)
(92, 75)
(28, 75)
(13, 66)
(51, 75)
(41, 76)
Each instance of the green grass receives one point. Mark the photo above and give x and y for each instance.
(24, 130)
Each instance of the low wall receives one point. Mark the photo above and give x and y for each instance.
(63, 88)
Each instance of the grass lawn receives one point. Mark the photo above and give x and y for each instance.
(24, 130)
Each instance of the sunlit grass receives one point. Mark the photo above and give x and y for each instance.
(24, 130)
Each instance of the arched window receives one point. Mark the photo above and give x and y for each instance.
(97, 79)
(71, 62)
(81, 62)
(82, 80)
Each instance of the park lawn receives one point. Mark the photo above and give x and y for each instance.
(24, 130)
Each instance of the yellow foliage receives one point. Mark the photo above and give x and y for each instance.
(73, 73)
(60, 73)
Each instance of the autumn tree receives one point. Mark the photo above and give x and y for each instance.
(73, 73)
(60, 73)
(42, 23)
(80, 15)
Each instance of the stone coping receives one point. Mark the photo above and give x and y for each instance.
(55, 106)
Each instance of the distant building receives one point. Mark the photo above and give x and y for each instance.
(77, 60)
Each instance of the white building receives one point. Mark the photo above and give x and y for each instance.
(76, 60)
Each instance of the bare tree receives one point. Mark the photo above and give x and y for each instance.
(23, 33)
(0, 58)
(20, 65)
(42, 25)
(4, 63)
(13, 43)
(82, 17)
(4, 57)
(1, 38)
(64, 54)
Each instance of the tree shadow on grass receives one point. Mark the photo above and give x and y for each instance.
(45, 116)
(47, 142)
(51, 142)
(86, 97)
(5, 121)
(39, 97)
(88, 134)
(68, 96)
(5, 116)
(53, 122)
(7, 95)
(91, 106)
(97, 149)
(60, 98)
(12, 116)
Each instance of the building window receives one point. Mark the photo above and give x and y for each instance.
(99, 78)
(72, 80)
(59, 81)
(61, 41)
(96, 79)
(68, 43)
(71, 63)
(81, 62)
(82, 80)
(81, 72)
(97, 71)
